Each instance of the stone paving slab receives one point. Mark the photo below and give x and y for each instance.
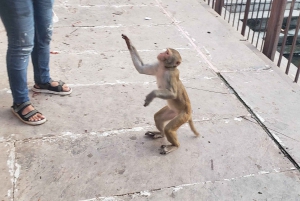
(114, 107)
(219, 38)
(109, 15)
(258, 83)
(7, 165)
(278, 109)
(94, 148)
(253, 187)
(271, 97)
(3, 73)
(109, 67)
(3, 41)
(115, 3)
(103, 40)
(82, 166)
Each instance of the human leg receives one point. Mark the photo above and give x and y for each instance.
(41, 52)
(43, 32)
(17, 17)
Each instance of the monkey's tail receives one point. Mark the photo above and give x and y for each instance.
(193, 127)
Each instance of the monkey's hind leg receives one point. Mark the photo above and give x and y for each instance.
(165, 149)
(170, 132)
(154, 134)
(163, 115)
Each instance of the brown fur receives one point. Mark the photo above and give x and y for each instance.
(178, 110)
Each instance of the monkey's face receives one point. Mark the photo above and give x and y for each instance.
(171, 58)
(164, 55)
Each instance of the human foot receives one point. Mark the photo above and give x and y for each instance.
(27, 114)
(36, 117)
(54, 87)
(65, 88)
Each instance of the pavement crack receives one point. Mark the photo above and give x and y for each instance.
(110, 26)
(267, 68)
(272, 129)
(218, 92)
(147, 193)
(11, 163)
(216, 119)
(113, 6)
(73, 136)
(261, 124)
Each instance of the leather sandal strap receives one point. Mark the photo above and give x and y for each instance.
(43, 86)
(47, 86)
(18, 108)
(30, 114)
(57, 88)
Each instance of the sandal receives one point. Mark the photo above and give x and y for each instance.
(18, 109)
(47, 88)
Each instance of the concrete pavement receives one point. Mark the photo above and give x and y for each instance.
(93, 146)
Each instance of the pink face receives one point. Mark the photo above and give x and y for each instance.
(164, 55)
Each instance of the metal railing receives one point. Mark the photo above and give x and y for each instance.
(270, 25)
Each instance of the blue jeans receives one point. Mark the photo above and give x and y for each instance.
(28, 24)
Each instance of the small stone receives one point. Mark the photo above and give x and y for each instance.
(118, 13)
(133, 138)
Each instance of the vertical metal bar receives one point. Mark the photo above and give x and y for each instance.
(253, 7)
(256, 20)
(273, 28)
(286, 32)
(293, 46)
(225, 6)
(230, 11)
(219, 6)
(213, 4)
(234, 14)
(261, 23)
(297, 75)
(239, 16)
(208, 2)
(246, 17)
(267, 22)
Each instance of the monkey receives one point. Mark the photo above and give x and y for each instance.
(170, 88)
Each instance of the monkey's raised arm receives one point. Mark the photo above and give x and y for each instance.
(148, 69)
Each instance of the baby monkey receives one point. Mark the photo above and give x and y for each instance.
(178, 109)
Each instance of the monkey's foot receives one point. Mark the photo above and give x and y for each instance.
(165, 149)
(154, 134)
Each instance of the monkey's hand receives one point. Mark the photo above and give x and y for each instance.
(149, 98)
(127, 41)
